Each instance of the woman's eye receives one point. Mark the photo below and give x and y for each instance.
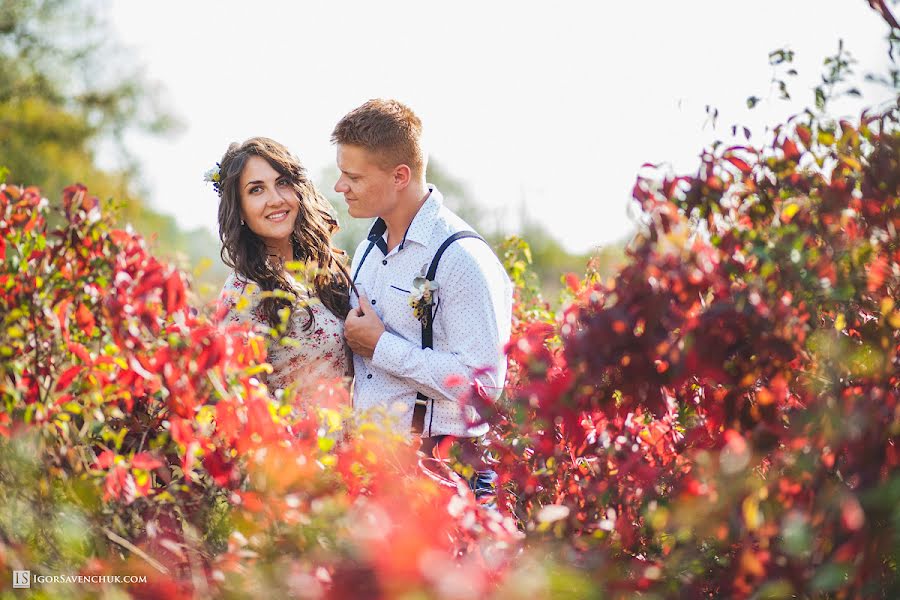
(283, 182)
(255, 189)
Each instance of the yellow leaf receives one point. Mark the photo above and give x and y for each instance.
(205, 415)
(752, 515)
(260, 368)
(332, 418)
(15, 332)
(894, 319)
(840, 323)
(790, 210)
(851, 162)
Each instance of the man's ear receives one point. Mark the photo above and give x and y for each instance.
(402, 176)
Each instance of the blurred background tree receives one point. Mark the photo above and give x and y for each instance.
(68, 95)
(550, 260)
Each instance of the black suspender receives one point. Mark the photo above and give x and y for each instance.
(362, 260)
(418, 420)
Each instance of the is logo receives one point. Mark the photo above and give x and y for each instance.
(21, 579)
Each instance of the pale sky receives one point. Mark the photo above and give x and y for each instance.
(556, 105)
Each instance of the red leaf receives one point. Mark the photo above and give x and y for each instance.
(105, 460)
(790, 150)
(174, 299)
(120, 237)
(181, 431)
(145, 461)
(805, 135)
(117, 481)
(219, 469)
(80, 351)
(66, 378)
(740, 164)
(61, 311)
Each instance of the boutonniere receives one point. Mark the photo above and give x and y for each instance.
(421, 298)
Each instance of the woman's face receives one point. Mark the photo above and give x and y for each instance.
(269, 204)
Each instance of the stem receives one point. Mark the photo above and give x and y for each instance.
(114, 537)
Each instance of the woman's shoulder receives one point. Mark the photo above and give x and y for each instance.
(236, 283)
(235, 288)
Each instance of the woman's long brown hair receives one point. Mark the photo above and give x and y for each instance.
(246, 253)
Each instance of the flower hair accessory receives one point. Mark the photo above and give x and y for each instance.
(214, 177)
(421, 298)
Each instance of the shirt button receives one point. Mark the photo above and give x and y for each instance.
(384, 262)
(373, 301)
(369, 376)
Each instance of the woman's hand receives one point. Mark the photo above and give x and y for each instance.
(362, 330)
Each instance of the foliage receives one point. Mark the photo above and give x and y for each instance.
(719, 418)
(137, 439)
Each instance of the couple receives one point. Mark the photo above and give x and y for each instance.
(425, 307)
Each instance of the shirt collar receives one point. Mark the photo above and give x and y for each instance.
(422, 224)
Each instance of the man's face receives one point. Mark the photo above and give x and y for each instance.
(368, 189)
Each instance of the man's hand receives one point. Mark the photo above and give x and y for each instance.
(362, 330)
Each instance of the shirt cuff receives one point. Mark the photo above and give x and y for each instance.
(390, 352)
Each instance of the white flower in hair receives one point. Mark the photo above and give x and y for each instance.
(215, 177)
(212, 175)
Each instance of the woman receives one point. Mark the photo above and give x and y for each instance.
(269, 215)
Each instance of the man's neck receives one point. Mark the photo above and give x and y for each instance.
(402, 216)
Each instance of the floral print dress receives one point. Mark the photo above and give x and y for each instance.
(310, 360)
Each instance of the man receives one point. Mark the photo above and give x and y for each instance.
(465, 309)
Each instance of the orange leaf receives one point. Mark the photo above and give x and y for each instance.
(790, 150)
(85, 319)
(878, 272)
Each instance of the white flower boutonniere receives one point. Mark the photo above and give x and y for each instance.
(421, 298)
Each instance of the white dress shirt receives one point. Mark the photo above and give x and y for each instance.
(472, 321)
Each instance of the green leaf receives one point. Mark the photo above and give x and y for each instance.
(830, 577)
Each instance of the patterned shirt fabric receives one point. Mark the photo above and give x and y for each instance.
(304, 358)
(472, 320)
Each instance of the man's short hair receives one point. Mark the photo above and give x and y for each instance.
(388, 129)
